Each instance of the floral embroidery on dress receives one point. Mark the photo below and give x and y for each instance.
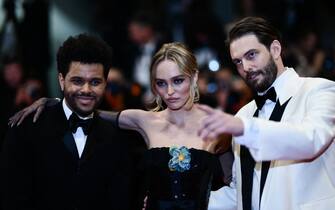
(181, 159)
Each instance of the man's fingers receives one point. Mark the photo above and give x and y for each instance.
(208, 135)
(205, 128)
(211, 119)
(212, 130)
(203, 133)
(204, 125)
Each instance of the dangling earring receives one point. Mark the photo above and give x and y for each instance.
(195, 88)
(196, 93)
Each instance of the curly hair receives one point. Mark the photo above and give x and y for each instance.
(86, 49)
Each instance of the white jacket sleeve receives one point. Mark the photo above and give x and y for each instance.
(306, 131)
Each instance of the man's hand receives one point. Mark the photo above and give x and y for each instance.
(218, 122)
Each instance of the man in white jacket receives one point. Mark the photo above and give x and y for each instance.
(283, 141)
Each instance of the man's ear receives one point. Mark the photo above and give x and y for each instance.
(275, 49)
(61, 81)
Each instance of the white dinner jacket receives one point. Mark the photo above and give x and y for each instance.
(301, 147)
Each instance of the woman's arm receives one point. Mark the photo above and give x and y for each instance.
(129, 119)
(110, 116)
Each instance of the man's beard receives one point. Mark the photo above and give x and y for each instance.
(269, 73)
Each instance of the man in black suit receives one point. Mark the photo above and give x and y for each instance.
(70, 158)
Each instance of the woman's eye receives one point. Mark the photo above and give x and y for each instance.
(178, 81)
(160, 83)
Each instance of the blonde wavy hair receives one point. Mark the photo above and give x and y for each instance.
(187, 64)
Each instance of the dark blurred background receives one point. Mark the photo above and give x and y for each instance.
(32, 30)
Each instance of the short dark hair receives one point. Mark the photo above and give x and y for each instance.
(261, 28)
(84, 48)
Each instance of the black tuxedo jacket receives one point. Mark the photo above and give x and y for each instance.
(39, 172)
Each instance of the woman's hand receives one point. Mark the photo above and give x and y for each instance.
(37, 107)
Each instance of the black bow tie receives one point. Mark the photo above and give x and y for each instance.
(270, 94)
(76, 122)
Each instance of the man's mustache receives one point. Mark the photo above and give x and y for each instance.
(92, 95)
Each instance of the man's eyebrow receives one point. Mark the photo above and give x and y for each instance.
(249, 51)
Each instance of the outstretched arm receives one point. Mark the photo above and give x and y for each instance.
(110, 116)
(129, 119)
(218, 122)
(307, 131)
(37, 107)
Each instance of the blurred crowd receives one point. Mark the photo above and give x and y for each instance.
(135, 32)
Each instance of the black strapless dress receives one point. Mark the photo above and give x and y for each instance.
(180, 181)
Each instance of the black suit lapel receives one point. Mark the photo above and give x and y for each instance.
(93, 139)
(248, 163)
(247, 171)
(70, 144)
(63, 133)
(276, 115)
